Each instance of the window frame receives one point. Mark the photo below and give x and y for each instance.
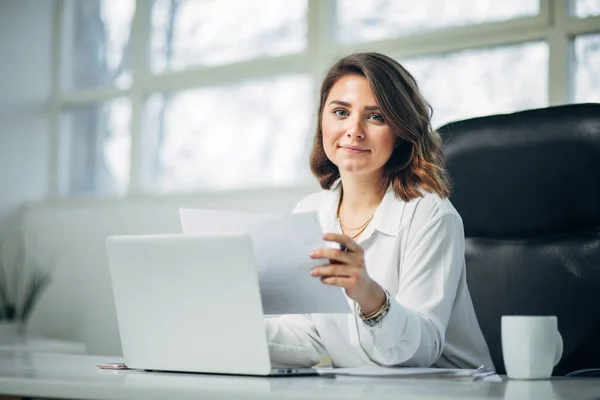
(554, 24)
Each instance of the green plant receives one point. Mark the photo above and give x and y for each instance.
(21, 284)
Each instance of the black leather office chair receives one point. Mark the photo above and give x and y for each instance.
(527, 186)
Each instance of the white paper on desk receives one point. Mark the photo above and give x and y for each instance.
(281, 243)
(409, 372)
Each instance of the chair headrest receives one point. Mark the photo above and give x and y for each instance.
(527, 173)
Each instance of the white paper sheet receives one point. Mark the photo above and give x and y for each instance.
(482, 373)
(281, 243)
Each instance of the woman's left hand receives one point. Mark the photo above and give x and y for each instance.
(347, 269)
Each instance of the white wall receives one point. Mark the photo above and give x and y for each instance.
(25, 87)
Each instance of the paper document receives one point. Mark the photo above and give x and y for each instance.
(281, 244)
(481, 373)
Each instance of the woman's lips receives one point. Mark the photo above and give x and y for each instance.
(354, 150)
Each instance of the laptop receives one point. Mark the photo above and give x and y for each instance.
(191, 303)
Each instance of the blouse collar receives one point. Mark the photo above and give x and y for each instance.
(386, 219)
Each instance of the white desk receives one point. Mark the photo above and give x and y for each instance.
(69, 376)
(45, 345)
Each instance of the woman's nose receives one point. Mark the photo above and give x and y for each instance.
(355, 129)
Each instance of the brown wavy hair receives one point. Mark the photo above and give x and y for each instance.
(417, 160)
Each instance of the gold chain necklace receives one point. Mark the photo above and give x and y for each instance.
(358, 233)
(361, 228)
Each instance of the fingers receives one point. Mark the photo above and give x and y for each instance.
(333, 254)
(336, 280)
(345, 268)
(344, 240)
(339, 270)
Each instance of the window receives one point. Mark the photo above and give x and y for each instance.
(586, 77)
(250, 134)
(479, 82)
(98, 44)
(96, 142)
(585, 8)
(172, 96)
(359, 20)
(215, 32)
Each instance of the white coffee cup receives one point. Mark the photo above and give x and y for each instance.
(531, 346)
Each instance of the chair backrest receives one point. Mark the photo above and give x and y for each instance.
(527, 186)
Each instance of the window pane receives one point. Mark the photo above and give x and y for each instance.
(252, 134)
(586, 77)
(96, 146)
(585, 8)
(480, 82)
(97, 48)
(359, 20)
(212, 32)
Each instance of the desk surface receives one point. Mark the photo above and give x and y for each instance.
(46, 345)
(71, 376)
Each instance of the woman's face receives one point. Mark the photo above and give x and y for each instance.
(356, 138)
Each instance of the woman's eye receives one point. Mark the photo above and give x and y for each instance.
(340, 112)
(376, 117)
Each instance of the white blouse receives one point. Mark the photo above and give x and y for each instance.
(415, 250)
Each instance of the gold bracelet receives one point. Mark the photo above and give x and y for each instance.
(377, 312)
(374, 313)
(373, 320)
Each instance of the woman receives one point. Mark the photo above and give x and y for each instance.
(386, 203)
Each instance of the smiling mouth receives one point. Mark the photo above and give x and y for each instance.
(354, 150)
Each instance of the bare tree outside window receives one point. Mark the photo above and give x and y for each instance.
(586, 66)
(585, 8)
(361, 21)
(189, 33)
(95, 136)
(251, 134)
(478, 82)
(99, 45)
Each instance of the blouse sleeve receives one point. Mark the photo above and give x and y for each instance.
(412, 333)
(293, 341)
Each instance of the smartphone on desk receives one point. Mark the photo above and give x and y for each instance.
(112, 366)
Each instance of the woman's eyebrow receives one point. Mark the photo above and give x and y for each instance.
(345, 104)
